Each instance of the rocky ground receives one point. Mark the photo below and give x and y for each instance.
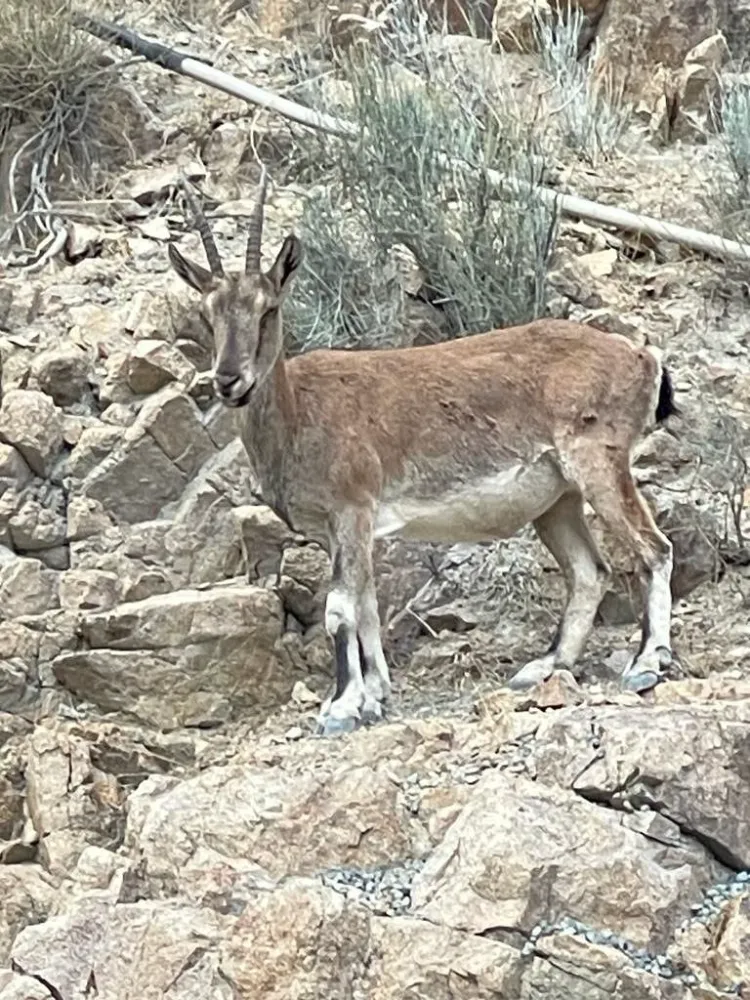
(169, 826)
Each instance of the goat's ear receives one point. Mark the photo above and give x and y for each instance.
(285, 266)
(199, 278)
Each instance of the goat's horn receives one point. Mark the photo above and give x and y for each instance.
(255, 230)
(204, 230)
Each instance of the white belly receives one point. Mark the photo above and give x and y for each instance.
(495, 506)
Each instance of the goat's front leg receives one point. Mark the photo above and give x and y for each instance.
(351, 551)
(374, 665)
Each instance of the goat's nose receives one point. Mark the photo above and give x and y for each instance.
(225, 382)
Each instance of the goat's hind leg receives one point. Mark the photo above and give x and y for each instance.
(564, 531)
(616, 499)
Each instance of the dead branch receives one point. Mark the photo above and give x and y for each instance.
(571, 205)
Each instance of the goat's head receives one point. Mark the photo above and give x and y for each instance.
(243, 311)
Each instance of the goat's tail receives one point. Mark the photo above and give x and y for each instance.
(665, 405)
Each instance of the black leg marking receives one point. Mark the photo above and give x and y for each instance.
(341, 643)
(555, 640)
(366, 661)
(645, 631)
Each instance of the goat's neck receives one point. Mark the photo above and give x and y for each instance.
(267, 430)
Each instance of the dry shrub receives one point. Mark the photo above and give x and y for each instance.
(593, 113)
(421, 175)
(729, 194)
(65, 116)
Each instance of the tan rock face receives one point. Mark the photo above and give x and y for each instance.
(285, 824)
(62, 372)
(153, 364)
(71, 803)
(521, 852)
(27, 587)
(414, 958)
(16, 987)
(264, 537)
(150, 946)
(183, 658)
(688, 761)
(302, 940)
(728, 960)
(636, 36)
(513, 23)
(152, 460)
(31, 423)
(26, 896)
(14, 472)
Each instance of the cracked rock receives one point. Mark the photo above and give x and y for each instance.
(189, 657)
(688, 762)
(521, 851)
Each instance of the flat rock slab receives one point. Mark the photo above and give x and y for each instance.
(286, 824)
(187, 658)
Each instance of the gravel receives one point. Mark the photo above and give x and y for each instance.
(386, 890)
(660, 965)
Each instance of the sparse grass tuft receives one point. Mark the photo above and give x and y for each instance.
(593, 112)
(420, 176)
(730, 187)
(63, 112)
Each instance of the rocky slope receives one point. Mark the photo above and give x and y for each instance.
(169, 827)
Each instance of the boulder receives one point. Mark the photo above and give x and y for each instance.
(636, 36)
(304, 578)
(157, 455)
(93, 446)
(62, 372)
(728, 959)
(686, 761)
(521, 852)
(26, 897)
(27, 587)
(513, 23)
(302, 940)
(88, 589)
(39, 521)
(135, 481)
(143, 949)
(71, 802)
(152, 364)
(188, 657)
(31, 422)
(11, 811)
(17, 987)
(443, 962)
(264, 536)
(18, 664)
(14, 472)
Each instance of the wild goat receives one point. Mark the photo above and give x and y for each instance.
(464, 441)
